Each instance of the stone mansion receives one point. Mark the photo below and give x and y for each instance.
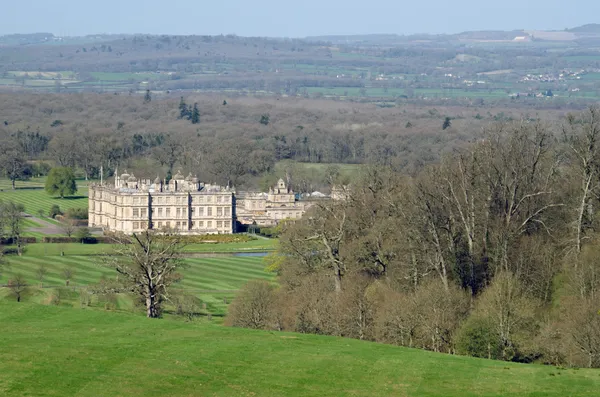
(188, 206)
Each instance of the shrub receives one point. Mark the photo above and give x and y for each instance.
(253, 306)
(477, 338)
(77, 213)
(54, 211)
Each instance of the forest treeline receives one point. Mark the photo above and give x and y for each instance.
(492, 252)
(235, 140)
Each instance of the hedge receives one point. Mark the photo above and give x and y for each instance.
(24, 240)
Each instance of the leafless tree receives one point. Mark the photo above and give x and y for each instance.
(17, 286)
(149, 263)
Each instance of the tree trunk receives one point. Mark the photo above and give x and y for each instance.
(338, 279)
(151, 304)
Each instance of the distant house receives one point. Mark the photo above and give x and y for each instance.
(522, 38)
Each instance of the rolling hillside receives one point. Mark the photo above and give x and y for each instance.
(54, 351)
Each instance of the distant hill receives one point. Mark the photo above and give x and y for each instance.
(589, 28)
(28, 38)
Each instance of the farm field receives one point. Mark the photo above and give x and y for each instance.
(58, 351)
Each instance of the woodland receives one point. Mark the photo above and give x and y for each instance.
(491, 252)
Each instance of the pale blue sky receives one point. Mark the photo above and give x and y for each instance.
(290, 18)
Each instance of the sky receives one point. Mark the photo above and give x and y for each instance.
(285, 18)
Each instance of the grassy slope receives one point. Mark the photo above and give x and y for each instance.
(210, 279)
(54, 351)
(32, 195)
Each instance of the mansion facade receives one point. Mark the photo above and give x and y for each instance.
(188, 206)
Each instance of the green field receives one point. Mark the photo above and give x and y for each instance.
(32, 195)
(209, 278)
(57, 351)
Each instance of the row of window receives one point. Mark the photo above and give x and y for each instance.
(193, 225)
(137, 200)
(178, 212)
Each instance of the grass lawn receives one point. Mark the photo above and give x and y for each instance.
(58, 351)
(33, 196)
(211, 279)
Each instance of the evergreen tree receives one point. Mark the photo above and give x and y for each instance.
(183, 109)
(195, 114)
(447, 123)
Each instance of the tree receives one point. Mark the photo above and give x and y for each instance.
(61, 181)
(11, 218)
(82, 233)
(68, 274)
(447, 123)
(68, 226)
(265, 119)
(582, 136)
(41, 273)
(17, 286)
(148, 263)
(195, 117)
(183, 110)
(12, 162)
(147, 97)
(252, 307)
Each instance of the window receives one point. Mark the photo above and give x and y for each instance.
(160, 225)
(200, 199)
(208, 211)
(219, 211)
(136, 200)
(160, 212)
(184, 225)
(136, 225)
(144, 212)
(200, 224)
(168, 223)
(178, 225)
(219, 224)
(178, 212)
(219, 198)
(227, 224)
(200, 211)
(184, 212)
(227, 211)
(93, 204)
(168, 212)
(144, 225)
(136, 212)
(209, 199)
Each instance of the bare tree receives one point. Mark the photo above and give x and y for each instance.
(68, 274)
(17, 286)
(582, 136)
(148, 262)
(68, 226)
(41, 273)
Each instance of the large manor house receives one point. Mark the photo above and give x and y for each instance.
(188, 206)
